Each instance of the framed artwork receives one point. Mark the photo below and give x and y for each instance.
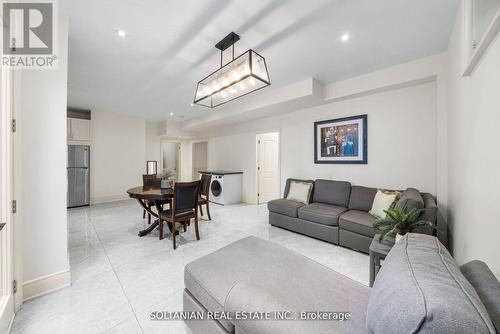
(341, 141)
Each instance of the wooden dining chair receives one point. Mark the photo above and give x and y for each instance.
(205, 194)
(151, 180)
(184, 208)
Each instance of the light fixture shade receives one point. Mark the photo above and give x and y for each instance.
(243, 75)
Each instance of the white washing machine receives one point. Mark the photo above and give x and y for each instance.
(225, 187)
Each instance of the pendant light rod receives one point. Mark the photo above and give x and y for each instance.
(226, 42)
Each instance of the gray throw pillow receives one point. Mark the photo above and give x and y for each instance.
(421, 289)
(410, 199)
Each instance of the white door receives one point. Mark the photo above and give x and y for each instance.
(6, 196)
(199, 158)
(268, 167)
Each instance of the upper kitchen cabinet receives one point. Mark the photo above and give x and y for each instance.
(78, 124)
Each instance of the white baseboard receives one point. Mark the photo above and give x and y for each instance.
(45, 284)
(107, 199)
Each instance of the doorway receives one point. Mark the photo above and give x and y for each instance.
(170, 158)
(268, 167)
(200, 150)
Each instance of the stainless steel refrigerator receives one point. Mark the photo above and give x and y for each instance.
(78, 175)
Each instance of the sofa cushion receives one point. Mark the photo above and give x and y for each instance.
(252, 274)
(300, 192)
(430, 214)
(487, 287)
(290, 180)
(284, 207)
(332, 192)
(383, 201)
(410, 198)
(362, 198)
(321, 213)
(358, 222)
(421, 289)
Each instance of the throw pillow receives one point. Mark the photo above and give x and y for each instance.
(299, 192)
(383, 201)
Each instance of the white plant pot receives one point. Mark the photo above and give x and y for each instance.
(166, 184)
(399, 237)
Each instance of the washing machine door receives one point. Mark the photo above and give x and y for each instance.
(216, 188)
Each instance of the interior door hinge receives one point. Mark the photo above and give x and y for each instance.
(14, 127)
(14, 286)
(14, 206)
(258, 194)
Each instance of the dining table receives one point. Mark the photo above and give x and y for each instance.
(156, 194)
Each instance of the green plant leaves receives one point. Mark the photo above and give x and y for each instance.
(398, 219)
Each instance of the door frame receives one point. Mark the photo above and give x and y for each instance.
(9, 265)
(278, 132)
(179, 142)
(192, 154)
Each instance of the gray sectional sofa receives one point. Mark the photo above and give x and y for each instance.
(419, 289)
(338, 213)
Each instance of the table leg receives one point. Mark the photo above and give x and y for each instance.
(150, 228)
(372, 269)
(152, 213)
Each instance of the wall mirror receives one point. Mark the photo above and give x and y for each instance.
(151, 167)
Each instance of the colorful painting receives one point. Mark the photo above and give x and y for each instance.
(341, 141)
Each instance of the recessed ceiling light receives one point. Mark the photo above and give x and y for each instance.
(192, 104)
(344, 37)
(121, 33)
(171, 114)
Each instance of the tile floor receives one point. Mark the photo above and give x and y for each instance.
(119, 278)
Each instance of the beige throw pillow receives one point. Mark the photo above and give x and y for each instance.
(299, 192)
(383, 201)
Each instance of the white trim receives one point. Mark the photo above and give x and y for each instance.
(473, 59)
(108, 199)
(46, 284)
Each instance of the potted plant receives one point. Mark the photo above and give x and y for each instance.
(167, 178)
(399, 221)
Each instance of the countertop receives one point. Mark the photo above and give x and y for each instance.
(219, 172)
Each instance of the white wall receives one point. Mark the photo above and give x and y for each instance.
(474, 159)
(153, 141)
(118, 155)
(402, 137)
(40, 100)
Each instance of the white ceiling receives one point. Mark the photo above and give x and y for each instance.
(170, 45)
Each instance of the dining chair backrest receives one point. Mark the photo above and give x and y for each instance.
(150, 180)
(186, 196)
(205, 184)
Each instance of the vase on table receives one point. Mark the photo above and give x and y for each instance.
(166, 184)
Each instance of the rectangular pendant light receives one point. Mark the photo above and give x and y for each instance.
(241, 76)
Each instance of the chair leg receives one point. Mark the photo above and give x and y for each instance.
(201, 210)
(196, 228)
(161, 229)
(184, 226)
(173, 234)
(208, 212)
(143, 214)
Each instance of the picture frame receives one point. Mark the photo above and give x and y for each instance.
(341, 140)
